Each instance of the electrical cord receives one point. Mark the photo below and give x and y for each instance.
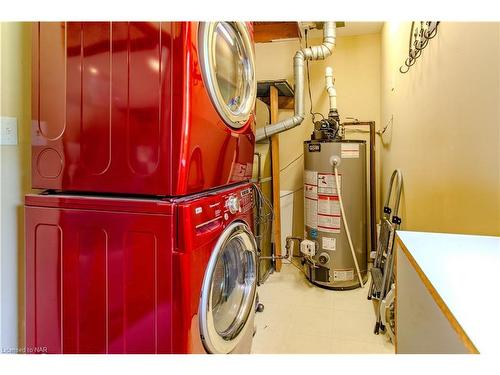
(261, 198)
(301, 269)
(311, 111)
(262, 221)
(290, 193)
(293, 161)
(309, 81)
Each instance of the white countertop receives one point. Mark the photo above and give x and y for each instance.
(465, 272)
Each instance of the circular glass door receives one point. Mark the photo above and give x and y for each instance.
(227, 61)
(229, 288)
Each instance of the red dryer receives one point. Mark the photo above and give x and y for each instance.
(113, 275)
(146, 108)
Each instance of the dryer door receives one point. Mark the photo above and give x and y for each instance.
(229, 289)
(227, 61)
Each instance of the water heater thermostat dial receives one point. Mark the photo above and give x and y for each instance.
(324, 258)
(233, 204)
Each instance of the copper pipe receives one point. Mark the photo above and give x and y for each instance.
(373, 202)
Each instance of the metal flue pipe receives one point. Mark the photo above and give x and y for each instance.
(319, 52)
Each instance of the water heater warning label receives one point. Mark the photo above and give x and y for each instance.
(311, 191)
(311, 198)
(349, 150)
(328, 243)
(328, 214)
(328, 205)
(343, 275)
(329, 224)
(327, 185)
(311, 208)
(310, 177)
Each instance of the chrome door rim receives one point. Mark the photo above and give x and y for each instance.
(213, 341)
(206, 43)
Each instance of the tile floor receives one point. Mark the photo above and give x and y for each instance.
(299, 317)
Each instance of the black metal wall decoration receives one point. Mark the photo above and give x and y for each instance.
(419, 38)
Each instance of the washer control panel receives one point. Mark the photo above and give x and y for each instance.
(239, 202)
(201, 220)
(213, 209)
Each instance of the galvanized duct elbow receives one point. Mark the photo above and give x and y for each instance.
(325, 49)
(278, 127)
(311, 53)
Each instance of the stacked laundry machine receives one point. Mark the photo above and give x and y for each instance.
(142, 143)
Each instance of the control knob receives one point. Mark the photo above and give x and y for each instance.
(233, 204)
(324, 258)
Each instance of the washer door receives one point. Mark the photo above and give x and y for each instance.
(229, 288)
(227, 61)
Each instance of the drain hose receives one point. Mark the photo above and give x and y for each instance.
(345, 224)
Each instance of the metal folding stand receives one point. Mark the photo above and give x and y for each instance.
(382, 270)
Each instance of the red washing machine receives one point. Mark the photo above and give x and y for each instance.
(112, 275)
(146, 108)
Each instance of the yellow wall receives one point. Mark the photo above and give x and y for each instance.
(445, 136)
(356, 64)
(15, 101)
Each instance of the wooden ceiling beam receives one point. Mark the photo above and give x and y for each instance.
(265, 32)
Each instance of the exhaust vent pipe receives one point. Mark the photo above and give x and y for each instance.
(320, 52)
(330, 89)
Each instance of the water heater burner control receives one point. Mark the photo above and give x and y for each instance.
(233, 204)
